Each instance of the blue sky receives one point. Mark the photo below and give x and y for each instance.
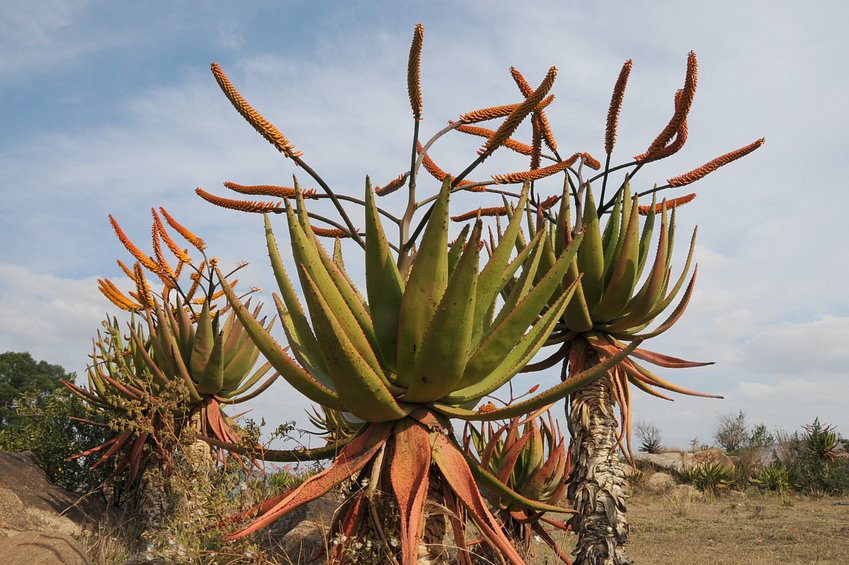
(109, 107)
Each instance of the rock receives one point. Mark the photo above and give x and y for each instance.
(668, 461)
(680, 461)
(713, 455)
(42, 548)
(299, 535)
(304, 543)
(29, 501)
(659, 483)
(687, 492)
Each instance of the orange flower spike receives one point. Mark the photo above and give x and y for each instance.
(495, 112)
(511, 143)
(197, 242)
(330, 232)
(713, 165)
(215, 296)
(536, 174)
(142, 287)
(126, 269)
(414, 79)
(549, 202)
(179, 269)
(434, 169)
(165, 269)
(645, 210)
(195, 277)
(676, 144)
(268, 190)
(148, 263)
(265, 128)
(241, 205)
(392, 185)
(540, 120)
(616, 107)
(512, 121)
(116, 297)
(181, 254)
(486, 114)
(494, 211)
(681, 110)
(536, 145)
(590, 161)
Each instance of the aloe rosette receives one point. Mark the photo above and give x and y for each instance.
(418, 352)
(137, 409)
(529, 455)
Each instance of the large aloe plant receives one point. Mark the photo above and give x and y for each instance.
(417, 353)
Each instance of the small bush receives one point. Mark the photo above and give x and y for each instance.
(812, 463)
(709, 477)
(732, 432)
(649, 436)
(773, 478)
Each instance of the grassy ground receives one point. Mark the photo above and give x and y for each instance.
(753, 529)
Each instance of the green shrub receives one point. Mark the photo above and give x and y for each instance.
(811, 461)
(773, 478)
(43, 424)
(709, 477)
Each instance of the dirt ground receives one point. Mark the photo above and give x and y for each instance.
(751, 529)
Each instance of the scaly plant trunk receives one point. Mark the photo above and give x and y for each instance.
(597, 482)
(151, 504)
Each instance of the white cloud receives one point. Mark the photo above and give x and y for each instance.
(40, 35)
(51, 317)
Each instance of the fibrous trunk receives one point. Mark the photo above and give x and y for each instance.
(597, 482)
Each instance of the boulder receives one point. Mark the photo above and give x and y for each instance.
(658, 483)
(713, 455)
(680, 461)
(667, 461)
(299, 535)
(42, 548)
(30, 502)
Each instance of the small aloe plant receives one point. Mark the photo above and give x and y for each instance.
(530, 456)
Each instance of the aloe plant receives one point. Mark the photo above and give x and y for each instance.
(177, 366)
(622, 291)
(413, 356)
(529, 455)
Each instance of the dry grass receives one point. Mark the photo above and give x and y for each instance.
(752, 529)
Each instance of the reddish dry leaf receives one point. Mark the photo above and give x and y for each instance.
(351, 459)
(666, 361)
(409, 475)
(456, 472)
